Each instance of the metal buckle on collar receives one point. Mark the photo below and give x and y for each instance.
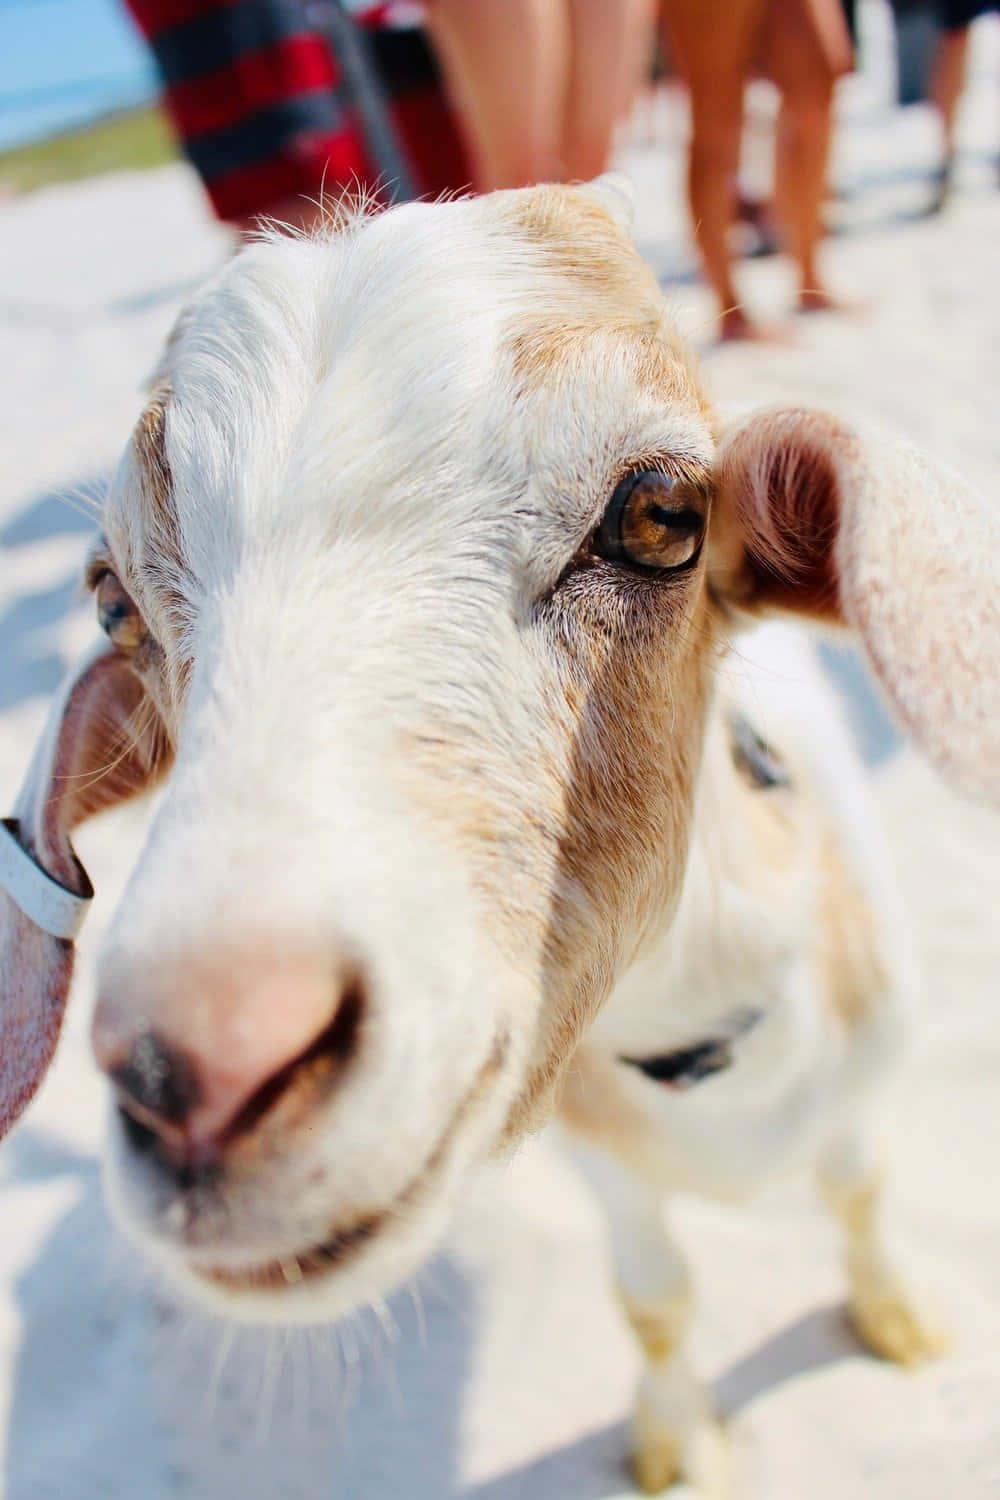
(51, 906)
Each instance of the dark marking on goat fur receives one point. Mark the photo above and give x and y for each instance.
(757, 762)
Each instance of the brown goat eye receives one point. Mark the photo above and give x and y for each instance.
(654, 521)
(116, 613)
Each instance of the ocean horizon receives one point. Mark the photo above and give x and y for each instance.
(65, 63)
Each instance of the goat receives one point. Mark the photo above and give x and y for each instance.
(418, 580)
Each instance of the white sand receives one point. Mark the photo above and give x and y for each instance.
(507, 1376)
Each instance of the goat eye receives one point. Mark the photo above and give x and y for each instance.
(117, 615)
(653, 521)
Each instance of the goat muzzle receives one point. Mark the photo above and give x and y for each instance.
(218, 1057)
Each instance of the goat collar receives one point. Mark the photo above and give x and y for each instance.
(51, 906)
(686, 1066)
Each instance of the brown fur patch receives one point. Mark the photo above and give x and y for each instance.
(160, 560)
(584, 856)
(613, 291)
(596, 1102)
(628, 797)
(593, 858)
(150, 442)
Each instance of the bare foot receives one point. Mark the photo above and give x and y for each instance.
(820, 299)
(734, 324)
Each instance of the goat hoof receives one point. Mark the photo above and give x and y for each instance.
(891, 1326)
(657, 1462)
(662, 1457)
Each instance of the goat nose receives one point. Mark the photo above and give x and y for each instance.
(208, 1056)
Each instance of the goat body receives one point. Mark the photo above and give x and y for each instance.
(788, 950)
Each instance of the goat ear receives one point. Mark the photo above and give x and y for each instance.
(103, 742)
(816, 516)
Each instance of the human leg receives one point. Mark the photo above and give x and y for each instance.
(712, 44)
(947, 79)
(806, 47)
(506, 64)
(609, 42)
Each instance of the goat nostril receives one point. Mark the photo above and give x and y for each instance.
(177, 1108)
(139, 1136)
(157, 1081)
(340, 1039)
(191, 1162)
(324, 1057)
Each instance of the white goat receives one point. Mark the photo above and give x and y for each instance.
(410, 582)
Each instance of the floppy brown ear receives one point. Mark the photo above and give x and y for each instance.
(814, 515)
(103, 742)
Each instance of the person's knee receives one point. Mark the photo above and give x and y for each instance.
(807, 112)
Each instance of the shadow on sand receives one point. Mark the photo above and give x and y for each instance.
(31, 663)
(117, 1393)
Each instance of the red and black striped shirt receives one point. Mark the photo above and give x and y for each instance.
(257, 96)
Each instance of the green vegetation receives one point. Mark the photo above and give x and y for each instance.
(139, 138)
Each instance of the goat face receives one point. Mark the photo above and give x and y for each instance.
(433, 753)
(404, 582)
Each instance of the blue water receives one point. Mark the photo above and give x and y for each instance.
(64, 62)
